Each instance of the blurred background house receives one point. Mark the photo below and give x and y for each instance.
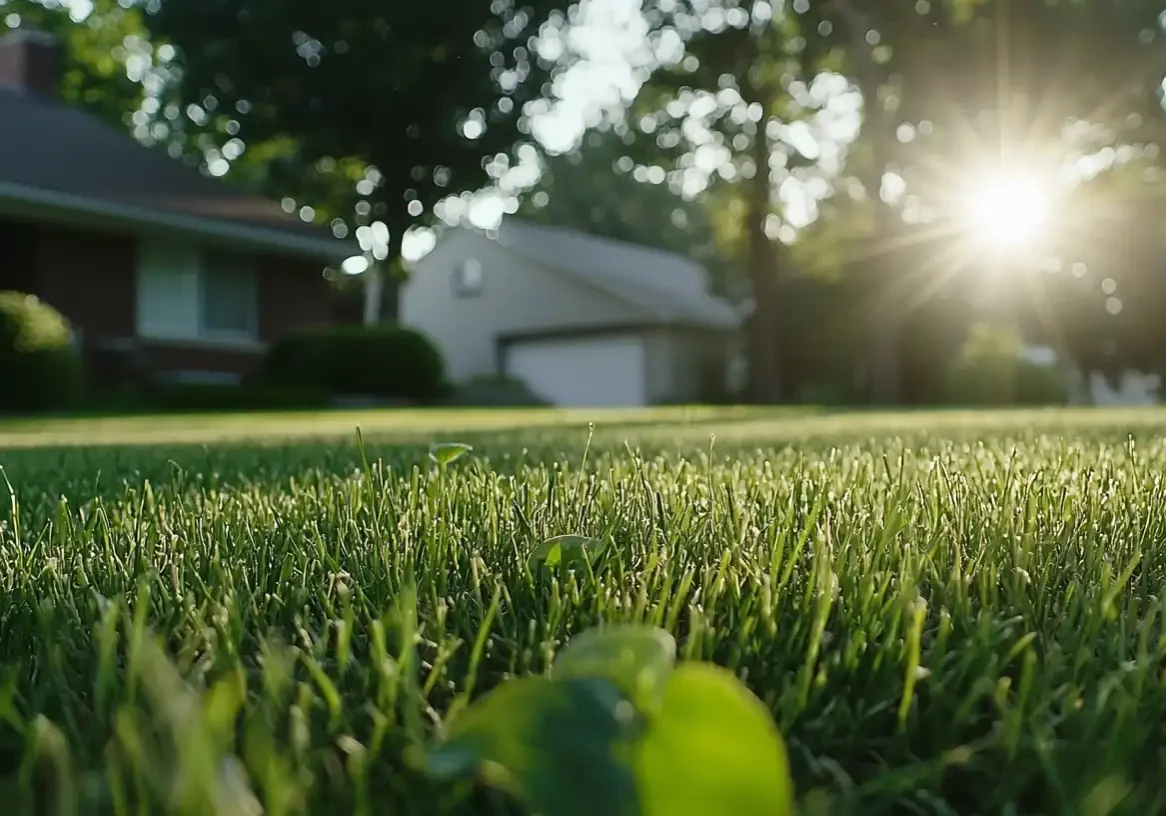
(163, 272)
(580, 320)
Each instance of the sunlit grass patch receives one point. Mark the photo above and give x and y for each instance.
(942, 612)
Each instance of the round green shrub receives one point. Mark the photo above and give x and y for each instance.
(296, 360)
(371, 361)
(40, 369)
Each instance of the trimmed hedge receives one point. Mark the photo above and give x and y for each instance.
(40, 370)
(371, 361)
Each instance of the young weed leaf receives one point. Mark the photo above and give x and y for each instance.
(636, 659)
(443, 453)
(560, 747)
(568, 551)
(712, 748)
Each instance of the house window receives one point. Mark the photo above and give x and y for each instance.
(187, 295)
(467, 278)
(228, 300)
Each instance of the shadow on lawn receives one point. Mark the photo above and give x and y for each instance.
(42, 475)
(81, 472)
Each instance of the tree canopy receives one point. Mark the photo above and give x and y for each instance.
(367, 113)
(105, 58)
(950, 91)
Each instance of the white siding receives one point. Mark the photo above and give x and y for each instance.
(516, 295)
(585, 371)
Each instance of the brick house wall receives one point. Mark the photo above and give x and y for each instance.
(292, 294)
(17, 257)
(90, 277)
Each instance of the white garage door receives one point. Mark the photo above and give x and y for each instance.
(582, 371)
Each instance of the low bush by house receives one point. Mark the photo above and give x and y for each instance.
(40, 370)
(387, 362)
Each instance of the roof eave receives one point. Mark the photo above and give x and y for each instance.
(31, 201)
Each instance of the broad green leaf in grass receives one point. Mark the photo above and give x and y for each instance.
(712, 749)
(563, 748)
(636, 659)
(445, 452)
(567, 550)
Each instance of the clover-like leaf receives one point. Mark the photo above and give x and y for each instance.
(568, 550)
(445, 452)
(712, 748)
(636, 659)
(561, 747)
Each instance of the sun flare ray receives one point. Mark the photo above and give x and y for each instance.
(1007, 211)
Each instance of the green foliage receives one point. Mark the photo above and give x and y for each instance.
(738, 74)
(934, 69)
(618, 730)
(557, 744)
(375, 361)
(355, 91)
(637, 660)
(40, 369)
(568, 551)
(711, 748)
(446, 452)
(93, 73)
(295, 358)
(946, 86)
(992, 370)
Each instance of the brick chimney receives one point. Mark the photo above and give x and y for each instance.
(28, 60)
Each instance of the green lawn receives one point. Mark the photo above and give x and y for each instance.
(945, 612)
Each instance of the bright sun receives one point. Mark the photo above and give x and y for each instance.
(1007, 212)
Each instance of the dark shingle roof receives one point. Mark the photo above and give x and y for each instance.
(53, 148)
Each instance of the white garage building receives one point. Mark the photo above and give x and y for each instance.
(583, 321)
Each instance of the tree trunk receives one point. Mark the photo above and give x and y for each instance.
(374, 286)
(763, 330)
(886, 317)
(393, 277)
(885, 368)
(391, 298)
